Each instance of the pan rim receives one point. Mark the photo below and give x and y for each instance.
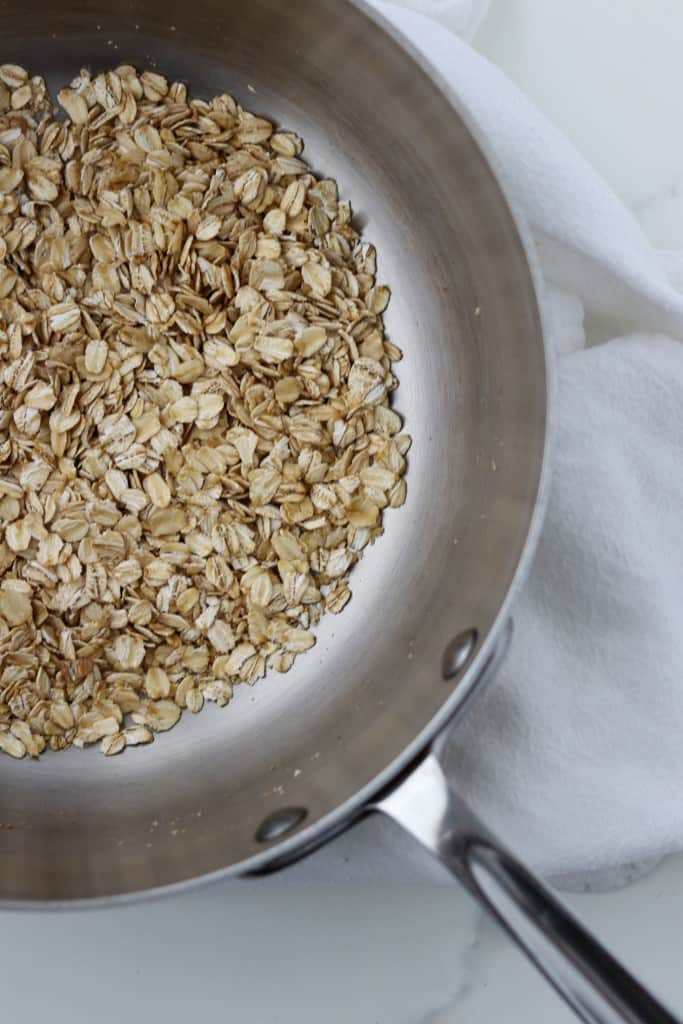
(289, 850)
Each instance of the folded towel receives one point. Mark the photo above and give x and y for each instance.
(574, 753)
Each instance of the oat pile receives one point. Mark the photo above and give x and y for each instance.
(196, 442)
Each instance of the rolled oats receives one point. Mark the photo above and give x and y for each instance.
(195, 430)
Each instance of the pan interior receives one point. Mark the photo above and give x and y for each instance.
(473, 396)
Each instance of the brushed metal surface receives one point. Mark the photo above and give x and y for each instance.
(473, 393)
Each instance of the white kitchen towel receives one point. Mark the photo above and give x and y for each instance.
(574, 754)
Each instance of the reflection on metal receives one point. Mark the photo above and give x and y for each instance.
(280, 823)
(458, 653)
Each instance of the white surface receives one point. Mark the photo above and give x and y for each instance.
(607, 75)
(394, 955)
(239, 955)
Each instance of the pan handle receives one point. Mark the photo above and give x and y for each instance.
(594, 984)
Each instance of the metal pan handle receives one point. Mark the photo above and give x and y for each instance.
(594, 984)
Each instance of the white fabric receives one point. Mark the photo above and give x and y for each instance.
(461, 16)
(574, 754)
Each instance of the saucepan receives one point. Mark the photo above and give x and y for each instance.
(357, 725)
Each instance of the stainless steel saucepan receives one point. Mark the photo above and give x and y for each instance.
(355, 726)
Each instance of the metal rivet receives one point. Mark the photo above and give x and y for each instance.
(458, 653)
(279, 823)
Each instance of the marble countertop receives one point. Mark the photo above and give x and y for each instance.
(609, 76)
